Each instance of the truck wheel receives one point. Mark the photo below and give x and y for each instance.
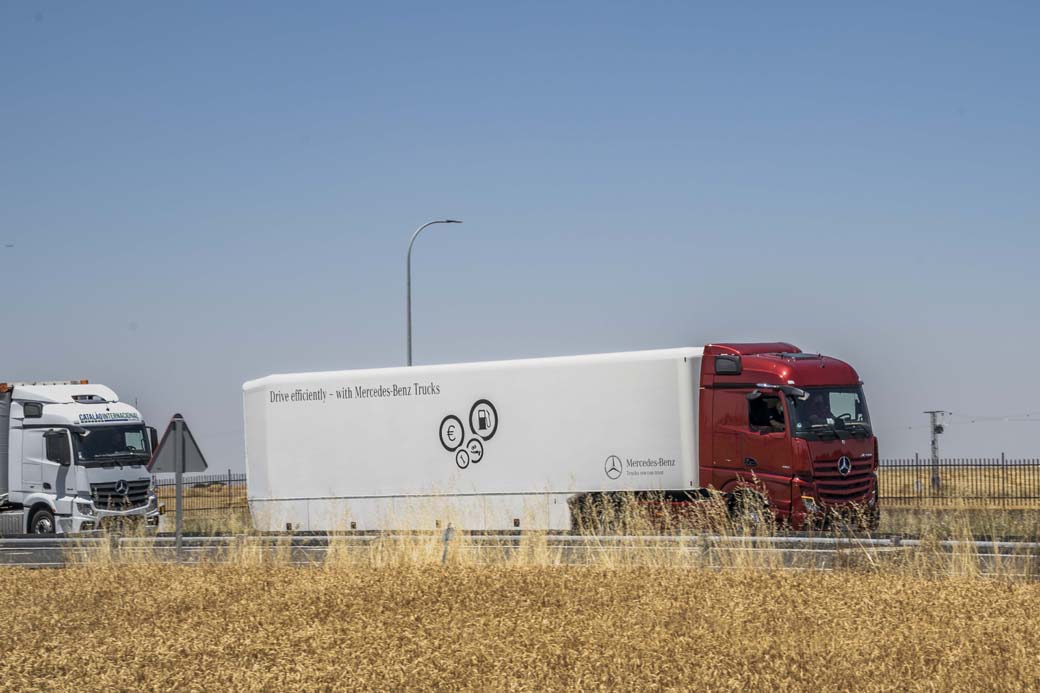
(749, 508)
(42, 522)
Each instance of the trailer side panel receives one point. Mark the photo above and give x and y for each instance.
(485, 445)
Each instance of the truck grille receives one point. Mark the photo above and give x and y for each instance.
(835, 489)
(106, 497)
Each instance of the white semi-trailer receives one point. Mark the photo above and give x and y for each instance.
(509, 444)
(493, 445)
(72, 458)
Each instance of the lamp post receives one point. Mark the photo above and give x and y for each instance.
(408, 281)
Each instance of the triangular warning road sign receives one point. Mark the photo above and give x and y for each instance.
(177, 450)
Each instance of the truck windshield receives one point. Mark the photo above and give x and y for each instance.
(113, 444)
(831, 412)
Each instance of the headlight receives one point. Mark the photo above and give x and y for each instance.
(86, 508)
(810, 504)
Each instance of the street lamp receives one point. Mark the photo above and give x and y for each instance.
(408, 285)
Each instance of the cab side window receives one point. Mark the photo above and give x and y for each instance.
(58, 448)
(730, 408)
(766, 414)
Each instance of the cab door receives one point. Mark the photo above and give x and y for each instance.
(767, 451)
(57, 469)
(729, 425)
(46, 456)
(32, 460)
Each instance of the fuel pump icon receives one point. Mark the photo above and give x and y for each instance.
(483, 419)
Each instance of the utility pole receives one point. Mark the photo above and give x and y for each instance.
(937, 428)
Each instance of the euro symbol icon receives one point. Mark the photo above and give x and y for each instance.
(451, 433)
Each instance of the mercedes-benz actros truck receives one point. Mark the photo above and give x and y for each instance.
(507, 444)
(73, 458)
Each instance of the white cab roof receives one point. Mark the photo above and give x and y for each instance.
(61, 393)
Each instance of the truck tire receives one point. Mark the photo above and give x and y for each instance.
(750, 509)
(42, 522)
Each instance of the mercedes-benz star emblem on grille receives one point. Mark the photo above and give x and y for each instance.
(122, 487)
(844, 466)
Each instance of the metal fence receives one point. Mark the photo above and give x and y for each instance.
(993, 481)
(205, 494)
(908, 482)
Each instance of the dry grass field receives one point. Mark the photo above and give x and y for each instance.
(958, 520)
(417, 625)
(392, 617)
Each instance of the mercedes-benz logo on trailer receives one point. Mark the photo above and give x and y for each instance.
(612, 467)
(844, 465)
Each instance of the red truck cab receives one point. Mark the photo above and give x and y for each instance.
(789, 429)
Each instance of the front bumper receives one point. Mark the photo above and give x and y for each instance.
(810, 511)
(813, 515)
(101, 518)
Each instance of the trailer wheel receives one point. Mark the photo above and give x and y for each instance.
(42, 522)
(597, 513)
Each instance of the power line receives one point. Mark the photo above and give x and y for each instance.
(1028, 417)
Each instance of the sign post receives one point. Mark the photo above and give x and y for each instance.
(178, 453)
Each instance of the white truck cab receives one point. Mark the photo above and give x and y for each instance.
(73, 458)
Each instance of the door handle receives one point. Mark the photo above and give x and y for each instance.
(750, 462)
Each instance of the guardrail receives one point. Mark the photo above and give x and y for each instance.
(791, 552)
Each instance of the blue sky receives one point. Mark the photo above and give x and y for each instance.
(203, 193)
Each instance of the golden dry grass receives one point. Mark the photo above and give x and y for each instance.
(510, 627)
(390, 616)
(957, 520)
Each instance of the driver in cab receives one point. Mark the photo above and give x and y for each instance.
(819, 410)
